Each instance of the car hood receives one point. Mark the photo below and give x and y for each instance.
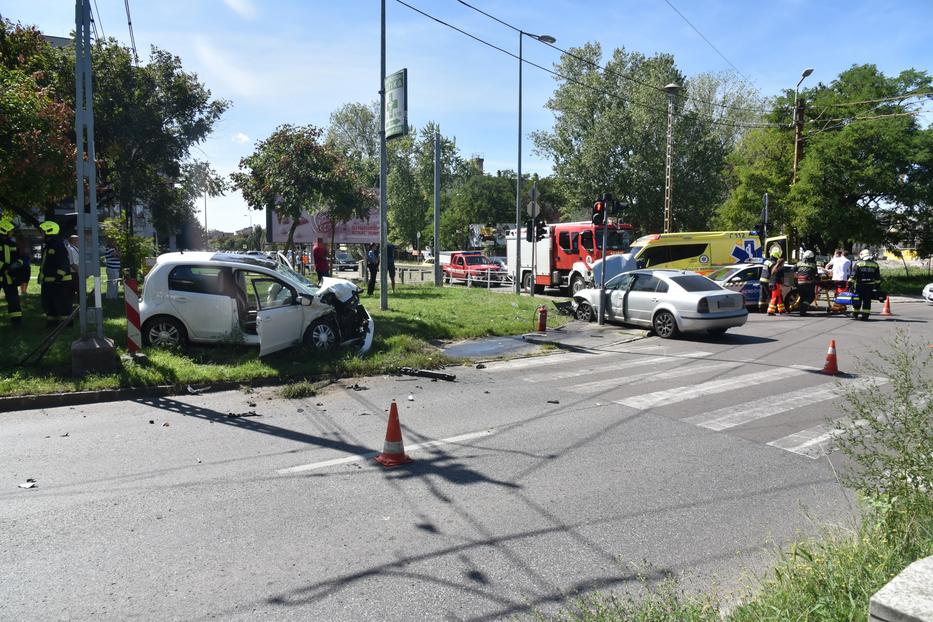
(342, 288)
(615, 265)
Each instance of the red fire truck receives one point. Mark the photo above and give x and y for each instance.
(564, 256)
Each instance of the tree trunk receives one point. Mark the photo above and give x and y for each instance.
(291, 235)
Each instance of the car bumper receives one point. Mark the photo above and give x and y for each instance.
(694, 323)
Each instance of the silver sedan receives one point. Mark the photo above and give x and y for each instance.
(667, 301)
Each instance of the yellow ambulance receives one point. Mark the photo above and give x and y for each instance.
(699, 251)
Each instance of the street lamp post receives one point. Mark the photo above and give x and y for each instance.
(671, 89)
(798, 123)
(517, 285)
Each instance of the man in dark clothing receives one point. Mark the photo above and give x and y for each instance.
(372, 266)
(10, 268)
(319, 255)
(55, 275)
(866, 275)
(807, 275)
(390, 263)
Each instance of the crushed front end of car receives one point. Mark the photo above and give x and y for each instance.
(354, 323)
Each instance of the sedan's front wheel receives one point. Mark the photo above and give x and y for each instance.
(584, 312)
(665, 326)
(322, 335)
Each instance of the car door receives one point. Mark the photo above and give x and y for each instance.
(616, 292)
(199, 299)
(642, 299)
(279, 316)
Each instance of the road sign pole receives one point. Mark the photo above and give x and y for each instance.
(607, 201)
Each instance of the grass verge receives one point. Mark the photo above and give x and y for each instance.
(900, 282)
(407, 335)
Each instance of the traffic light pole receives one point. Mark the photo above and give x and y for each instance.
(534, 256)
(607, 202)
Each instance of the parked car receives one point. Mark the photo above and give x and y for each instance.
(220, 297)
(928, 293)
(667, 301)
(344, 261)
(472, 267)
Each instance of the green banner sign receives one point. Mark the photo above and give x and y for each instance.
(396, 112)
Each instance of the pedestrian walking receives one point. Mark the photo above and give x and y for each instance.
(390, 263)
(807, 275)
(774, 281)
(55, 275)
(10, 270)
(372, 267)
(841, 267)
(112, 266)
(866, 275)
(319, 254)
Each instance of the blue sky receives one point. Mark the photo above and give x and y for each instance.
(293, 61)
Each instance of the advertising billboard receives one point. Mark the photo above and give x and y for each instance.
(314, 226)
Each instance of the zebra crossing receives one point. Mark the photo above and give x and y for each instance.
(655, 378)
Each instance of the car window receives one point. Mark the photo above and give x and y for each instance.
(568, 241)
(196, 279)
(475, 260)
(748, 274)
(586, 240)
(662, 287)
(264, 292)
(645, 283)
(654, 255)
(695, 283)
(721, 274)
(680, 252)
(620, 282)
(617, 240)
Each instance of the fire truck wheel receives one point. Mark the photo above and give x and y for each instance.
(576, 284)
(526, 282)
(584, 312)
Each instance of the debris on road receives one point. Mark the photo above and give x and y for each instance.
(64, 435)
(194, 391)
(165, 424)
(564, 308)
(151, 421)
(357, 387)
(249, 413)
(29, 483)
(427, 373)
(251, 404)
(553, 401)
(480, 366)
(411, 398)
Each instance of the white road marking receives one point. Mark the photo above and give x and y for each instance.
(651, 376)
(722, 385)
(652, 360)
(372, 454)
(565, 358)
(811, 442)
(732, 416)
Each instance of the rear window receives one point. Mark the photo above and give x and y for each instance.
(695, 283)
(196, 279)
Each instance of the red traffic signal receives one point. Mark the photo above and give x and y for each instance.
(599, 212)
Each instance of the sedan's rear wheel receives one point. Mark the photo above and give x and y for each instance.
(584, 312)
(163, 332)
(665, 326)
(321, 335)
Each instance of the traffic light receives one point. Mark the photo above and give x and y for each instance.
(540, 230)
(529, 231)
(599, 212)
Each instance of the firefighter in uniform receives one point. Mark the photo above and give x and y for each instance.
(807, 275)
(866, 275)
(764, 291)
(10, 267)
(55, 275)
(774, 281)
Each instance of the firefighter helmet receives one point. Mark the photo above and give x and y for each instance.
(6, 226)
(776, 251)
(864, 254)
(50, 227)
(807, 256)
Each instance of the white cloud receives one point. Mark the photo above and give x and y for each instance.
(241, 138)
(220, 66)
(243, 8)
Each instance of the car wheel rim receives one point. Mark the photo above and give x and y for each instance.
(664, 325)
(323, 337)
(163, 335)
(583, 312)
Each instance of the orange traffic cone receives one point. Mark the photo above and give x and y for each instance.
(886, 310)
(830, 366)
(393, 451)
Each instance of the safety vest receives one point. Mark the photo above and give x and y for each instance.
(8, 256)
(866, 272)
(806, 273)
(766, 270)
(55, 267)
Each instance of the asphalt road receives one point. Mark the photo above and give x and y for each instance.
(555, 475)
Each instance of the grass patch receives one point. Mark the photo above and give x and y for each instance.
(898, 281)
(407, 335)
(299, 390)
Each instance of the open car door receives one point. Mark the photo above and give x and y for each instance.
(279, 316)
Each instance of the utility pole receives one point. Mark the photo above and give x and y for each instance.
(798, 140)
(671, 90)
(437, 208)
(383, 168)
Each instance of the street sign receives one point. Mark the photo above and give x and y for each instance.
(396, 113)
(533, 208)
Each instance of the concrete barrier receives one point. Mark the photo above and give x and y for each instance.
(908, 597)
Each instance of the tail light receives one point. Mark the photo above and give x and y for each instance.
(703, 305)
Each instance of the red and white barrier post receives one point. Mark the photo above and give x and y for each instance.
(133, 332)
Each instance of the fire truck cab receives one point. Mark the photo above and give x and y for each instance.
(564, 257)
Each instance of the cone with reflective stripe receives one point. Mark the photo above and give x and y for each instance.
(886, 309)
(393, 451)
(830, 366)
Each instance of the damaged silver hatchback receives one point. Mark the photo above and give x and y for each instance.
(203, 297)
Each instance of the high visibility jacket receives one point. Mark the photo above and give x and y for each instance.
(55, 267)
(865, 272)
(9, 261)
(806, 273)
(766, 270)
(777, 270)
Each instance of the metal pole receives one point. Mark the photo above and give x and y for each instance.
(517, 286)
(668, 161)
(383, 294)
(437, 208)
(91, 256)
(607, 201)
(81, 26)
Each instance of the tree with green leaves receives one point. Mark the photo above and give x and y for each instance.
(295, 171)
(200, 179)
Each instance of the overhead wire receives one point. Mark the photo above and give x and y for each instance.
(99, 21)
(615, 73)
(710, 43)
(573, 80)
(129, 23)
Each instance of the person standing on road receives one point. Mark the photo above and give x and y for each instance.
(774, 281)
(372, 267)
(841, 266)
(319, 254)
(10, 270)
(112, 265)
(55, 275)
(866, 275)
(807, 275)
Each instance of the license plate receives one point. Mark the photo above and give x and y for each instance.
(725, 303)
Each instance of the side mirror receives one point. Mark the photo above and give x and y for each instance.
(305, 301)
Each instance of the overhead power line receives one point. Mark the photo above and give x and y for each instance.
(573, 80)
(606, 70)
(99, 21)
(883, 99)
(710, 43)
(129, 23)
